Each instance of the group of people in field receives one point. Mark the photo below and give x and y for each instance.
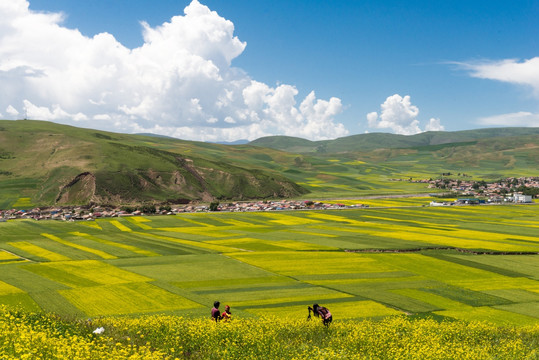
(317, 310)
(216, 314)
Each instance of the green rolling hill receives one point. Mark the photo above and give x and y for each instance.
(44, 164)
(376, 164)
(49, 163)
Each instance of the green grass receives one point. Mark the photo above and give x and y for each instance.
(489, 314)
(530, 309)
(21, 301)
(522, 264)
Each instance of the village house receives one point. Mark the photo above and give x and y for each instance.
(523, 199)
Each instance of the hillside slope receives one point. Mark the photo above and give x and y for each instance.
(58, 164)
(44, 163)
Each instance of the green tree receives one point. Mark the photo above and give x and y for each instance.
(214, 206)
(148, 209)
(165, 208)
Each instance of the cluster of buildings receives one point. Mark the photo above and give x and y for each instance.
(281, 205)
(469, 192)
(90, 213)
(509, 189)
(516, 198)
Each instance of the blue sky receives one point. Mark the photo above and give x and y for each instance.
(312, 69)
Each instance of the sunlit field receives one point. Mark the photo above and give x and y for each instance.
(445, 264)
(275, 262)
(30, 335)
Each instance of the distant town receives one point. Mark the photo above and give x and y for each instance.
(464, 192)
(505, 189)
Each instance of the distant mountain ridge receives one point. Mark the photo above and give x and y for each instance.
(373, 141)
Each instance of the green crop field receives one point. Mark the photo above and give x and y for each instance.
(457, 263)
(402, 281)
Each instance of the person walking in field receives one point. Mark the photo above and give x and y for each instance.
(215, 313)
(322, 312)
(226, 315)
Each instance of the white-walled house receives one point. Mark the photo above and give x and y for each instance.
(519, 198)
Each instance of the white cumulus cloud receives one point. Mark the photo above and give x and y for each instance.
(180, 82)
(519, 72)
(399, 115)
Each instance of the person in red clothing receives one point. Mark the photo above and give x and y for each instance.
(226, 315)
(322, 312)
(215, 313)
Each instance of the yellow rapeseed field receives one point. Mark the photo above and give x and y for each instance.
(84, 272)
(120, 226)
(4, 255)
(132, 248)
(6, 289)
(99, 253)
(38, 251)
(42, 336)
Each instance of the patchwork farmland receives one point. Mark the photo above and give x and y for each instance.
(472, 263)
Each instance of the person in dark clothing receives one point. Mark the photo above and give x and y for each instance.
(322, 312)
(215, 313)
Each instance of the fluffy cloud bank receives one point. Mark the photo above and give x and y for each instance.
(523, 73)
(398, 114)
(180, 82)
